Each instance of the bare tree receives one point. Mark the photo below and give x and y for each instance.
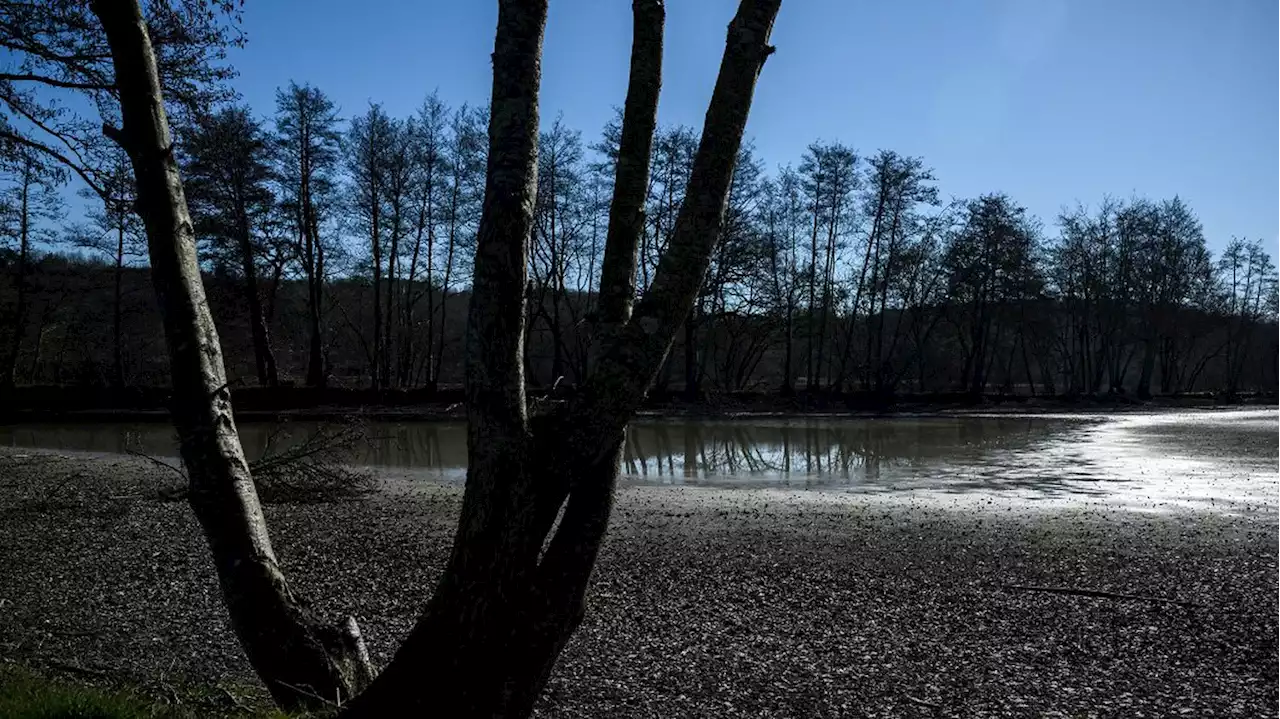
(830, 178)
(307, 144)
(426, 138)
(991, 265)
(560, 221)
(227, 171)
(505, 606)
(296, 655)
(465, 159)
(1247, 281)
(29, 201)
(370, 146)
(783, 225)
(115, 231)
(896, 186)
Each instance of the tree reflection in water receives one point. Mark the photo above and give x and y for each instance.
(798, 452)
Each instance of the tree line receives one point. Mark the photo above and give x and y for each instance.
(340, 252)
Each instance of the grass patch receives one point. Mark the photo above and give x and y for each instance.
(26, 694)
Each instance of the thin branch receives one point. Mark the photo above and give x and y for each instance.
(54, 82)
(1085, 592)
(135, 453)
(921, 702)
(44, 53)
(312, 695)
(17, 107)
(63, 159)
(235, 701)
(75, 669)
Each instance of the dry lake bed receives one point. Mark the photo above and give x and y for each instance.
(878, 567)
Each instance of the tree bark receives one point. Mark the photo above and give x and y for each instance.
(631, 174)
(504, 608)
(295, 655)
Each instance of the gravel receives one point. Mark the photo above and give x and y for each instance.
(728, 603)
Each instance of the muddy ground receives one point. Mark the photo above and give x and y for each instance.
(729, 603)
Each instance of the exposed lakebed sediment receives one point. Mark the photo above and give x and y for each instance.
(720, 602)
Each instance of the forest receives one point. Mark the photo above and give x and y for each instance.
(337, 252)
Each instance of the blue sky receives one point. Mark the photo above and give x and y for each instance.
(1052, 101)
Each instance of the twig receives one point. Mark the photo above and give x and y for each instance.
(153, 460)
(76, 669)
(164, 684)
(313, 695)
(76, 633)
(1098, 593)
(171, 692)
(235, 701)
(921, 702)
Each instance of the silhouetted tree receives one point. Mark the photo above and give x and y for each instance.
(28, 200)
(114, 231)
(307, 149)
(991, 265)
(830, 179)
(227, 171)
(284, 643)
(512, 592)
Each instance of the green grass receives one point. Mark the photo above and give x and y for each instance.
(25, 694)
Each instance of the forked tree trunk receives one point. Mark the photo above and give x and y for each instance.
(493, 629)
(295, 655)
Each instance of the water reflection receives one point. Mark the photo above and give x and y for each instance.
(819, 452)
(1220, 461)
(802, 452)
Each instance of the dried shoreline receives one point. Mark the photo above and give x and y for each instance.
(705, 603)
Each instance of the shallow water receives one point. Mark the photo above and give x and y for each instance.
(1224, 461)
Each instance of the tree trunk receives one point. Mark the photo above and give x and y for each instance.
(9, 366)
(504, 609)
(316, 374)
(691, 388)
(375, 360)
(787, 388)
(393, 255)
(264, 358)
(631, 173)
(295, 656)
(117, 312)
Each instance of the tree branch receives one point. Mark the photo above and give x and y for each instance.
(53, 82)
(61, 137)
(495, 327)
(633, 358)
(63, 159)
(631, 177)
(1098, 593)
